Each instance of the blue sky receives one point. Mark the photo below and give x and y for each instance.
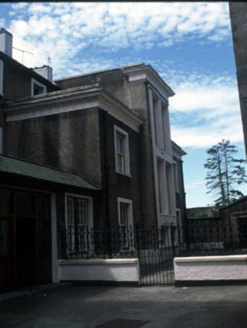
(189, 44)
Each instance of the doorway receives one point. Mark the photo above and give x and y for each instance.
(25, 232)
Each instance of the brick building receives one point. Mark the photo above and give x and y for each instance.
(94, 149)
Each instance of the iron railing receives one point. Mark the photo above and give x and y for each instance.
(198, 237)
(156, 247)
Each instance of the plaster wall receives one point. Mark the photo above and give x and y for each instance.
(99, 270)
(211, 268)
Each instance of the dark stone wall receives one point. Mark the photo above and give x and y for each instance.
(115, 184)
(17, 79)
(134, 95)
(67, 141)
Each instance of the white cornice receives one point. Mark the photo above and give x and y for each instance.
(147, 73)
(68, 102)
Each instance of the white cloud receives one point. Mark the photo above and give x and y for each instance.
(195, 184)
(65, 29)
(207, 110)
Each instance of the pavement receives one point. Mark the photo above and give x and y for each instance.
(69, 306)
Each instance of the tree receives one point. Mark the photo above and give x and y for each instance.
(224, 173)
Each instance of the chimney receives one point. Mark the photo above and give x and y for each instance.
(45, 71)
(6, 42)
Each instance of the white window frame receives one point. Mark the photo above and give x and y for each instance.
(1, 77)
(33, 82)
(127, 239)
(126, 156)
(130, 214)
(89, 224)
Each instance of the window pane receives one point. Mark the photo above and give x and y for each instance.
(6, 201)
(82, 211)
(120, 143)
(43, 205)
(70, 211)
(124, 214)
(37, 89)
(25, 203)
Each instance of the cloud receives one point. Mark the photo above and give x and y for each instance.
(64, 30)
(205, 110)
(195, 184)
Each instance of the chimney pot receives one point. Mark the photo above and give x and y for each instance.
(45, 71)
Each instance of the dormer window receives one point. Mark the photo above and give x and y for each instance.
(1, 77)
(37, 88)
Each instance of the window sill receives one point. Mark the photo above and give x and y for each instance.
(124, 174)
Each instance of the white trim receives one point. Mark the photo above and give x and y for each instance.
(130, 214)
(118, 130)
(164, 155)
(33, 82)
(1, 77)
(147, 73)
(55, 103)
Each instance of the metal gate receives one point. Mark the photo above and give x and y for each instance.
(156, 250)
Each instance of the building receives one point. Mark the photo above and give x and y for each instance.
(105, 139)
(238, 16)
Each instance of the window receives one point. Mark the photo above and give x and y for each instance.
(125, 220)
(121, 151)
(79, 223)
(1, 77)
(37, 88)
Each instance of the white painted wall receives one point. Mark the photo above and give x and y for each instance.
(211, 268)
(100, 270)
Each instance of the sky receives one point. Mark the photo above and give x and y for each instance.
(188, 43)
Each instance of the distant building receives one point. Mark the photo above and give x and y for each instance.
(202, 212)
(87, 152)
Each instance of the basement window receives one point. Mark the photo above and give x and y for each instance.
(37, 88)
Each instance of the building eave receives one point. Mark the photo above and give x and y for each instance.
(78, 98)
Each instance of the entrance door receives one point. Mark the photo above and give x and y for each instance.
(26, 251)
(25, 232)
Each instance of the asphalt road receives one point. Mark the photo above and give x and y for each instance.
(125, 307)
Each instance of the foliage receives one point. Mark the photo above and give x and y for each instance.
(225, 173)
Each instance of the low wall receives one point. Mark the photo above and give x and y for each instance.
(210, 270)
(105, 271)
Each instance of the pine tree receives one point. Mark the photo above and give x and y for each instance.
(224, 173)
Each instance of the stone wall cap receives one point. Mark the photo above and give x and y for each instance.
(97, 261)
(211, 258)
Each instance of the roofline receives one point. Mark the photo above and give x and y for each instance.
(50, 168)
(178, 148)
(28, 69)
(234, 203)
(150, 70)
(98, 72)
(128, 69)
(93, 95)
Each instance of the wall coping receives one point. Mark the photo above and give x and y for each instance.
(211, 258)
(97, 261)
